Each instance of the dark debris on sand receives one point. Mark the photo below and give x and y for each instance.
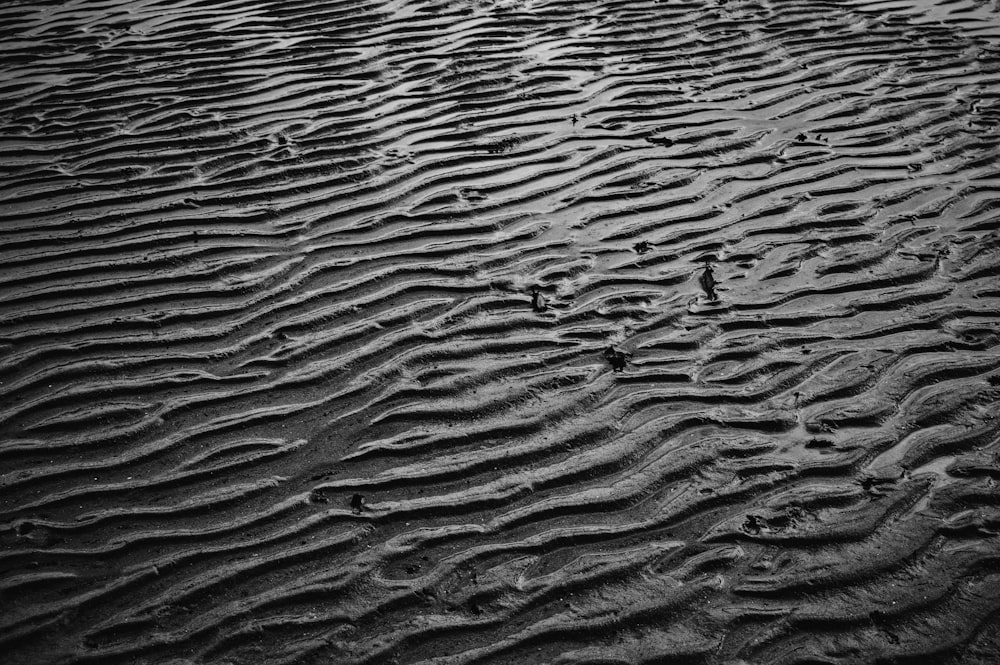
(707, 282)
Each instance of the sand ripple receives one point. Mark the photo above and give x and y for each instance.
(499, 331)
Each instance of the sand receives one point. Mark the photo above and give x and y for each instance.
(475, 332)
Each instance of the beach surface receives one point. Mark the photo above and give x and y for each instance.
(500, 332)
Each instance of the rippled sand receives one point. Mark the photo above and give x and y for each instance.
(440, 333)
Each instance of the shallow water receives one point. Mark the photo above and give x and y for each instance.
(275, 388)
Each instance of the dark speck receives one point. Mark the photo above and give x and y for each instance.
(753, 524)
(642, 247)
(876, 486)
(538, 301)
(618, 359)
(357, 503)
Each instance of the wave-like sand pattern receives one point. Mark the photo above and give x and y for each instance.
(500, 331)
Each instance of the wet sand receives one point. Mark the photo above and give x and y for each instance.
(475, 332)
